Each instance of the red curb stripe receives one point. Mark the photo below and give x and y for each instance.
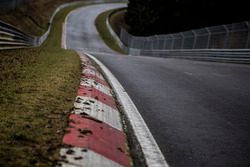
(85, 132)
(94, 77)
(96, 94)
(96, 109)
(90, 67)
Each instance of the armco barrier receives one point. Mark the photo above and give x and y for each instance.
(230, 36)
(222, 55)
(189, 48)
(11, 37)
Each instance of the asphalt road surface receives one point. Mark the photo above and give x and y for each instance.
(198, 112)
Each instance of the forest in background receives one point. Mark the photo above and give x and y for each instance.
(150, 17)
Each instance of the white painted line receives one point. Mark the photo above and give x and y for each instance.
(63, 36)
(65, 26)
(65, 29)
(150, 149)
(93, 84)
(98, 110)
(81, 157)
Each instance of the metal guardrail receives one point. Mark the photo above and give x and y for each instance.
(222, 55)
(231, 36)
(226, 43)
(13, 38)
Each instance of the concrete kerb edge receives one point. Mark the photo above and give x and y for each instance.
(151, 154)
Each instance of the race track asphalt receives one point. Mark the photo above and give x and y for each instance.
(198, 112)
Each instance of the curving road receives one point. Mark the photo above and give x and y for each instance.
(198, 112)
(81, 31)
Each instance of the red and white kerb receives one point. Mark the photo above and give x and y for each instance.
(94, 136)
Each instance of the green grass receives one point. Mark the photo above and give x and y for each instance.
(102, 28)
(37, 90)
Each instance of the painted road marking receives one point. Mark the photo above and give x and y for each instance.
(63, 43)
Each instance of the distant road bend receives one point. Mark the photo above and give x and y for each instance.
(198, 112)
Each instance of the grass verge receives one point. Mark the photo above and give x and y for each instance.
(102, 28)
(117, 20)
(37, 89)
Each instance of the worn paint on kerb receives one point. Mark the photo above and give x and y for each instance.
(89, 71)
(98, 110)
(86, 132)
(76, 157)
(94, 77)
(96, 94)
(86, 82)
(152, 154)
(94, 135)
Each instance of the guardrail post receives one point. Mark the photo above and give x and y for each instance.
(183, 39)
(165, 43)
(208, 37)
(151, 44)
(155, 42)
(172, 44)
(248, 36)
(158, 42)
(131, 42)
(227, 36)
(195, 37)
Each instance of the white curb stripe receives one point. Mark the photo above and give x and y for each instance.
(79, 157)
(98, 110)
(92, 83)
(150, 149)
(92, 72)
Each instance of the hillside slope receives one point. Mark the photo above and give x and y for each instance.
(33, 18)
